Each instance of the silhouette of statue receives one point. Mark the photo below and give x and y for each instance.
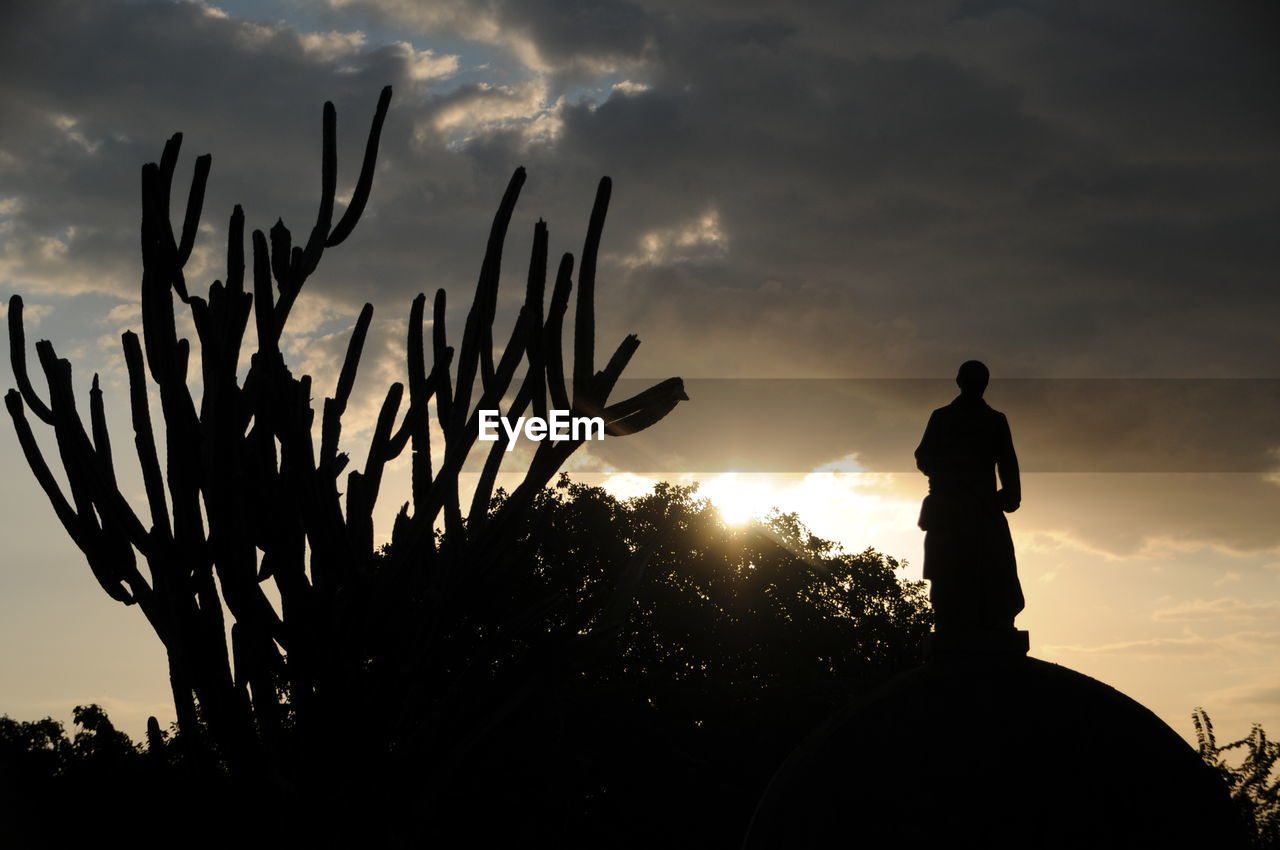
(968, 553)
(964, 717)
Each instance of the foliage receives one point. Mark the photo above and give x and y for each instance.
(571, 661)
(1254, 782)
(631, 675)
(247, 497)
(44, 747)
(59, 791)
(642, 667)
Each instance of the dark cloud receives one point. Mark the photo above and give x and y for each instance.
(1065, 190)
(1145, 515)
(1059, 426)
(822, 190)
(567, 32)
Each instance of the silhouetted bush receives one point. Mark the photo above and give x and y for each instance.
(552, 663)
(96, 786)
(1255, 787)
(267, 683)
(630, 675)
(639, 668)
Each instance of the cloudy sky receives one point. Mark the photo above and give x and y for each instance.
(819, 210)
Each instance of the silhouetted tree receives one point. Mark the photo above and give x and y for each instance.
(631, 675)
(37, 748)
(250, 499)
(98, 786)
(581, 665)
(1254, 784)
(642, 667)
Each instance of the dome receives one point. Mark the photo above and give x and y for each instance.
(995, 750)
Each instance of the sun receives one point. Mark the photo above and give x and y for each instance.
(739, 499)
(854, 508)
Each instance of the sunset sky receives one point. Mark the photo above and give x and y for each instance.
(819, 210)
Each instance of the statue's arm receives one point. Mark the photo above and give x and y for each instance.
(1007, 467)
(926, 452)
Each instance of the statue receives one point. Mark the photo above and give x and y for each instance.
(968, 553)
(963, 718)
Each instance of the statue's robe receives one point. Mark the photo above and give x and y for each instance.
(968, 552)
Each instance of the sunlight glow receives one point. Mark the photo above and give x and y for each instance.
(738, 499)
(856, 509)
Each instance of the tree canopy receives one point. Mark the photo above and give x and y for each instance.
(632, 672)
(641, 666)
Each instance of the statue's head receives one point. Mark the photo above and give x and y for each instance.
(972, 378)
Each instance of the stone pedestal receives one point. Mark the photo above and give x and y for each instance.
(958, 643)
(985, 747)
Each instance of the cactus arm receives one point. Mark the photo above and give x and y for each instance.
(35, 459)
(441, 353)
(553, 349)
(195, 201)
(360, 196)
(18, 360)
(331, 423)
(584, 316)
(144, 438)
(328, 187)
(476, 336)
(533, 300)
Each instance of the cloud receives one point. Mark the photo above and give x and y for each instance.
(629, 87)
(592, 37)
(1265, 694)
(1259, 641)
(887, 180)
(811, 192)
(130, 311)
(1154, 515)
(699, 238)
(1225, 608)
(1248, 643)
(32, 314)
(422, 65)
(1191, 645)
(480, 110)
(328, 46)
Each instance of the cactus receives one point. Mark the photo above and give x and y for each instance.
(298, 671)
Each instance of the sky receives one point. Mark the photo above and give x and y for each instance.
(819, 210)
